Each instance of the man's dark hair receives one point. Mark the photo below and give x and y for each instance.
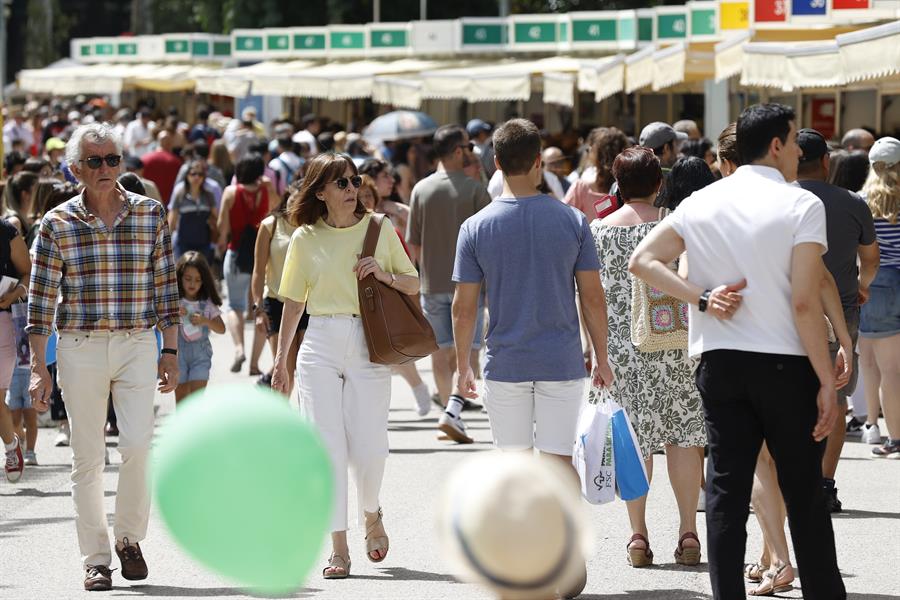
(637, 172)
(517, 144)
(201, 149)
(758, 125)
(250, 168)
(285, 143)
(325, 141)
(447, 139)
(308, 119)
(697, 148)
(662, 149)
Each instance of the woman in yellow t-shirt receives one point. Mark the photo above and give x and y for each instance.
(343, 393)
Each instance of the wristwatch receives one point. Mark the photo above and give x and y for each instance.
(171, 351)
(704, 300)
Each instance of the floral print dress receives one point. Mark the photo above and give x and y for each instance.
(656, 388)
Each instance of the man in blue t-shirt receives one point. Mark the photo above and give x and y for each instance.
(529, 250)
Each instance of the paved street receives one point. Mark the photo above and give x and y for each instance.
(39, 555)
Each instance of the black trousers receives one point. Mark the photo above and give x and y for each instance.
(749, 397)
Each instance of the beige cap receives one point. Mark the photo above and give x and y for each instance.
(515, 524)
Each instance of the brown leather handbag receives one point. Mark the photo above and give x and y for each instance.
(396, 330)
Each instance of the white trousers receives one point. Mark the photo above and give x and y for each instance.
(347, 398)
(90, 366)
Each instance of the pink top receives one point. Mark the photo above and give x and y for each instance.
(593, 204)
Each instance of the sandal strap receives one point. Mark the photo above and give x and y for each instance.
(637, 537)
(371, 527)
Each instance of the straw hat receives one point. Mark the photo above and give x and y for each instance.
(514, 523)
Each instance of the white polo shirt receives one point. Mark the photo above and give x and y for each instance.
(745, 227)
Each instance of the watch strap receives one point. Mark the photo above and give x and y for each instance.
(171, 351)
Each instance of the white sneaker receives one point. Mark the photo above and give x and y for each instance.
(455, 428)
(871, 434)
(30, 458)
(106, 457)
(701, 501)
(62, 438)
(423, 399)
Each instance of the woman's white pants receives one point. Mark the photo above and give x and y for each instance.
(347, 398)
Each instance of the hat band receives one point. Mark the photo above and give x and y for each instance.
(544, 581)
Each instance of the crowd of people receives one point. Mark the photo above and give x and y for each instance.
(127, 240)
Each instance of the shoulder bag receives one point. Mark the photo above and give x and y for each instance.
(396, 330)
(658, 321)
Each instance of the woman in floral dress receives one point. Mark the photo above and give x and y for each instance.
(657, 389)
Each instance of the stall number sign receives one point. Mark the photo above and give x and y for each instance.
(483, 34)
(770, 11)
(249, 43)
(347, 40)
(703, 22)
(530, 33)
(734, 15)
(127, 49)
(309, 41)
(388, 39)
(671, 27)
(808, 8)
(278, 43)
(594, 31)
(177, 47)
(849, 4)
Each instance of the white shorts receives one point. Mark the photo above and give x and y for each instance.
(534, 414)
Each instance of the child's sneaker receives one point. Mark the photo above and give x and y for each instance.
(15, 464)
(30, 458)
(871, 434)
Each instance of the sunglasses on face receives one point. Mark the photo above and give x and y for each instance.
(196, 174)
(94, 162)
(343, 182)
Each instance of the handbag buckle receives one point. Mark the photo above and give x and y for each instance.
(370, 297)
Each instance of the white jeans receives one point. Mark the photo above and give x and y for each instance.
(347, 398)
(90, 366)
(534, 414)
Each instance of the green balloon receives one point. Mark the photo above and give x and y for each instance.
(245, 486)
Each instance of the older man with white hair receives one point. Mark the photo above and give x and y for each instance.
(108, 253)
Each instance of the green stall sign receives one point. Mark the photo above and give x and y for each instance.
(483, 35)
(535, 33)
(309, 41)
(594, 30)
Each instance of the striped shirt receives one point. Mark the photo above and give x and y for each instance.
(117, 279)
(888, 237)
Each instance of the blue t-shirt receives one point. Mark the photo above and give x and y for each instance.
(526, 251)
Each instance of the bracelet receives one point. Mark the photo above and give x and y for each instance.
(171, 351)
(393, 280)
(23, 286)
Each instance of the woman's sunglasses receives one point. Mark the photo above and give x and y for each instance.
(94, 162)
(196, 174)
(343, 182)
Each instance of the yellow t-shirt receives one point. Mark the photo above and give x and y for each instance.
(318, 269)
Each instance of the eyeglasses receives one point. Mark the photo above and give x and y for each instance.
(196, 174)
(94, 162)
(343, 182)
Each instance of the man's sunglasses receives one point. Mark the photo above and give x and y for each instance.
(94, 162)
(343, 182)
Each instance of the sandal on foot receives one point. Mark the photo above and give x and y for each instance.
(379, 544)
(339, 566)
(754, 573)
(688, 555)
(774, 581)
(639, 557)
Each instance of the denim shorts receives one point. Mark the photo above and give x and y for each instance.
(17, 396)
(437, 309)
(880, 316)
(194, 359)
(237, 283)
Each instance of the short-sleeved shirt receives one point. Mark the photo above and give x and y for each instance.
(594, 204)
(318, 269)
(439, 205)
(527, 251)
(206, 308)
(849, 226)
(745, 227)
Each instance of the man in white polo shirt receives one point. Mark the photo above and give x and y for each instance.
(765, 372)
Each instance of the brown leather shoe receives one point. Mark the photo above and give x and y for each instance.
(133, 566)
(97, 578)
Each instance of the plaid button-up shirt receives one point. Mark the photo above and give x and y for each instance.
(115, 279)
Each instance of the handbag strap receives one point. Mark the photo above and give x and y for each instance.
(372, 233)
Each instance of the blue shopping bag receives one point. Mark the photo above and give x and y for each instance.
(631, 473)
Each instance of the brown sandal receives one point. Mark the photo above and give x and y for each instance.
(376, 544)
(687, 555)
(340, 567)
(639, 557)
(754, 573)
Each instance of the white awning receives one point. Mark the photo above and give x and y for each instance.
(112, 78)
(336, 81)
(872, 52)
(639, 69)
(730, 55)
(559, 88)
(816, 64)
(508, 80)
(605, 77)
(401, 92)
(235, 82)
(765, 64)
(171, 78)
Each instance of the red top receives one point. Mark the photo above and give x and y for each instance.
(243, 213)
(161, 168)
